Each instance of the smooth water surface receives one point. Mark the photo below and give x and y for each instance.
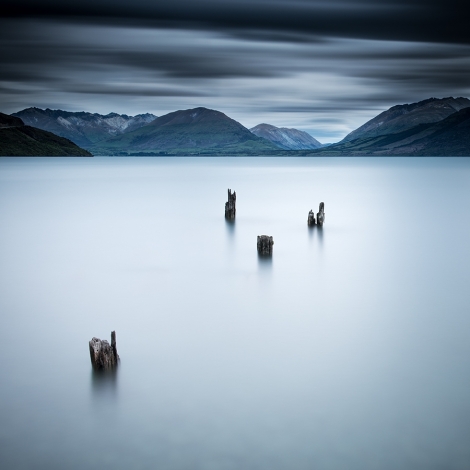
(348, 349)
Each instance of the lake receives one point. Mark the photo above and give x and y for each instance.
(348, 349)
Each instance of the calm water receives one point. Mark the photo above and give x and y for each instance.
(350, 349)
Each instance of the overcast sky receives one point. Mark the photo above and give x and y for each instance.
(321, 66)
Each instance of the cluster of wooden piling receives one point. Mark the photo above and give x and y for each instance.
(320, 216)
(104, 356)
(265, 243)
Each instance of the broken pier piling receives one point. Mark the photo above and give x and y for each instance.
(265, 245)
(311, 218)
(321, 214)
(103, 355)
(230, 205)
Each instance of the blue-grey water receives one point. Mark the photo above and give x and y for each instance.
(349, 349)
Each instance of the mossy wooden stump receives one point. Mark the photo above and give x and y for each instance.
(103, 355)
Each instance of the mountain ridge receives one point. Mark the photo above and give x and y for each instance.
(81, 127)
(448, 137)
(399, 118)
(286, 138)
(190, 131)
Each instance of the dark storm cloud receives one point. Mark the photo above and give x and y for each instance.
(43, 51)
(173, 58)
(410, 20)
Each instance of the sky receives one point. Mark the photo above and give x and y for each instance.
(325, 67)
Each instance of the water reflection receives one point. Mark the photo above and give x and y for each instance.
(104, 383)
(265, 263)
(230, 224)
(311, 229)
(320, 235)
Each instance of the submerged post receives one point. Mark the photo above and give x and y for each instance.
(311, 218)
(265, 245)
(104, 356)
(321, 214)
(230, 208)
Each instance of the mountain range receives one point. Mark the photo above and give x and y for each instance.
(85, 129)
(429, 127)
(434, 127)
(188, 132)
(403, 117)
(17, 139)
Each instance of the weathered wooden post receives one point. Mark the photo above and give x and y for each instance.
(265, 245)
(311, 218)
(104, 356)
(230, 208)
(321, 214)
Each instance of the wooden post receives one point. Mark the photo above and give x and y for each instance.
(230, 208)
(104, 356)
(311, 218)
(321, 214)
(265, 245)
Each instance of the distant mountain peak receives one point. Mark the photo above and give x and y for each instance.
(194, 116)
(285, 138)
(265, 126)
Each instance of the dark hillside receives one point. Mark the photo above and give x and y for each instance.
(16, 140)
